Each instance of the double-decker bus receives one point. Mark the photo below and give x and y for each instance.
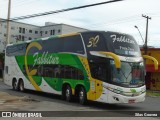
(93, 65)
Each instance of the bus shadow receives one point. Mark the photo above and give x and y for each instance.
(113, 107)
(90, 104)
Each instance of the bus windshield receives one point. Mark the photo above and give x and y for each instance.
(130, 74)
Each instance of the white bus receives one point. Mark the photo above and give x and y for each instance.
(95, 65)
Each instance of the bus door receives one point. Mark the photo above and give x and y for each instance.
(98, 71)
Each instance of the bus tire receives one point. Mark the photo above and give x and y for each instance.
(82, 96)
(68, 93)
(14, 84)
(21, 85)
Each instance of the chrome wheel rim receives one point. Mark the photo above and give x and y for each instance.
(15, 85)
(81, 96)
(67, 94)
(21, 86)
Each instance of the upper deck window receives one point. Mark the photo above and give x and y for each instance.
(73, 44)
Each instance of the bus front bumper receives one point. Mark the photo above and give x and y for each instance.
(119, 98)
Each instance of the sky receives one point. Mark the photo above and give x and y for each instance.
(119, 17)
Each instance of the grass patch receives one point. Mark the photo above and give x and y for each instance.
(153, 93)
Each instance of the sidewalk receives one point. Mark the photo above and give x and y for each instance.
(156, 91)
(152, 93)
(10, 102)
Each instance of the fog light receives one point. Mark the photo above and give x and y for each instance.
(115, 98)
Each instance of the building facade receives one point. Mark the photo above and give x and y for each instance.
(22, 31)
(152, 78)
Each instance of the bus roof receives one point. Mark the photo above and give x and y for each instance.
(63, 35)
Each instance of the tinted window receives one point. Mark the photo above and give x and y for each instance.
(70, 72)
(53, 45)
(48, 46)
(36, 32)
(23, 30)
(100, 69)
(14, 50)
(30, 31)
(73, 44)
(57, 71)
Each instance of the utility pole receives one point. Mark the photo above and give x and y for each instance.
(146, 39)
(8, 22)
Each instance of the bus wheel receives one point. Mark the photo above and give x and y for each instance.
(82, 96)
(68, 93)
(14, 84)
(21, 85)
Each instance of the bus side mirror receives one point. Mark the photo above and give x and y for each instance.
(115, 57)
(153, 59)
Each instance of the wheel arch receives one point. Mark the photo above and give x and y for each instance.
(13, 80)
(64, 86)
(20, 79)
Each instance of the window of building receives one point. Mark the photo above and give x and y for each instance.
(46, 32)
(59, 31)
(12, 28)
(36, 32)
(23, 38)
(12, 36)
(30, 31)
(41, 32)
(19, 38)
(52, 32)
(23, 30)
(20, 30)
(30, 38)
(5, 35)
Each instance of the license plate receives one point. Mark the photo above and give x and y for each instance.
(131, 101)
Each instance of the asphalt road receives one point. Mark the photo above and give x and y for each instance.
(50, 102)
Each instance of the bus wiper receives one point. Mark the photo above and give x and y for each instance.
(124, 74)
(124, 82)
(129, 74)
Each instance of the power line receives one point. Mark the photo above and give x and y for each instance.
(115, 20)
(63, 10)
(115, 23)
